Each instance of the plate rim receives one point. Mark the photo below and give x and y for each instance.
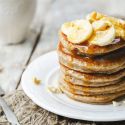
(32, 97)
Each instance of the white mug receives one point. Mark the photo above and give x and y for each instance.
(15, 18)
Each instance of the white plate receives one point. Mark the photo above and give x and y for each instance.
(46, 68)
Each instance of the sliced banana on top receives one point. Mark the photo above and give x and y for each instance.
(77, 31)
(119, 24)
(104, 33)
(94, 16)
(100, 25)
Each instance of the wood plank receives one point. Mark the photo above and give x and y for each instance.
(13, 58)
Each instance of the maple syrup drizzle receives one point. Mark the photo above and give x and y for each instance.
(90, 48)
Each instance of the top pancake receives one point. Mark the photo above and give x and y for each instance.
(108, 63)
(88, 49)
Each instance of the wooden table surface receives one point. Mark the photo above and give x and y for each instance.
(42, 38)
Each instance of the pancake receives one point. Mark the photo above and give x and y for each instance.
(76, 81)
(93, 77)
(120, 86)
(88, 49)
(109, 63)
(75, 91)
(91, 55)
(96, 99)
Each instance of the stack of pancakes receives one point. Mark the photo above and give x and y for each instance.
(91, 73)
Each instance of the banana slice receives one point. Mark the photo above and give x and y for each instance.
(118, 24)
(100, 25)
(94, 16)
(104, 33)
(77, 31)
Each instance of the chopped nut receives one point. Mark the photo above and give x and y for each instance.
(115, 104)
(36, 81)
(55, 90)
